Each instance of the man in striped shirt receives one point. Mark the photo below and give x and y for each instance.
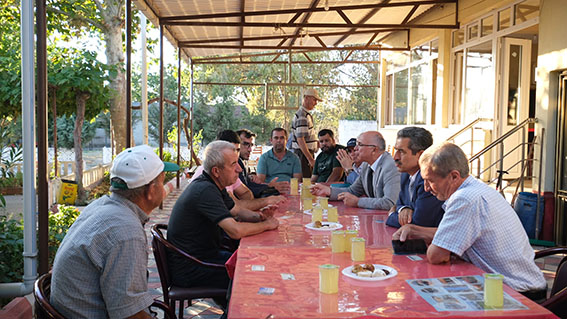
(305, 143)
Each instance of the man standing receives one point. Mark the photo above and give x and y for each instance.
(200, 215)
(415, 205)
(304, 142)
(100, 268)
(278, 163)
(478, 225)
(379, 179)
(327, 168)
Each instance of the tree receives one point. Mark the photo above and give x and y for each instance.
(106, 17)
(10, 70)
(78, 80)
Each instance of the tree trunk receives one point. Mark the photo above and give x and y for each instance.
(81, 99)
(115, 56)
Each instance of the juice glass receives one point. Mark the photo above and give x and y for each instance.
(307, 204)
(316, 214)
(329, 279)
(332, 215)
(349, 234)
(493, 291)
(324, 202)
(306, 182)
(293, 183)
(358, 249)
(338, 241)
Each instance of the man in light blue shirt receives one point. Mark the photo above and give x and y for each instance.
(479, 225)
(278, 162)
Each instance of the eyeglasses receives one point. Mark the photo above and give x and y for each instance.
(361, 145)
(246, 144)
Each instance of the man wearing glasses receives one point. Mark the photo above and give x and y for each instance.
(379, 178)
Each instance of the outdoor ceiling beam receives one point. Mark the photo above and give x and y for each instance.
(372, 38)
(363, 20)
(300, 11)
(344, 16)
(295, 17)
(242, 19)
(307, 57)
(412, 11)
(286, 62)
(272, 47)
(348, 55)
(313, 25)
(284, 37)
(304, 20)
(320, 41)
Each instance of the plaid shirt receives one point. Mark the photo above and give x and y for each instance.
(302, 126)
(100, 270)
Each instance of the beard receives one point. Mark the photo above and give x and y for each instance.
(327, 149)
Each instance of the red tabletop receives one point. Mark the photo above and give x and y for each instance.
(300, 298)
(292, 232)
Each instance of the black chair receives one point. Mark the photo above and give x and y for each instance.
(557, 301)
(44, 310)
(173, 294)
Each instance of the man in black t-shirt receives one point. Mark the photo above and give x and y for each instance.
(202, 210)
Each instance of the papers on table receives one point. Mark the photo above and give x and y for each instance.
(464, 293)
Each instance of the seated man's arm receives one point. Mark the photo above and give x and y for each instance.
(314, 178)
(335, 175)
(238, 230)
(257, 203)
(260, 178)
(242, 192)
(437, 255)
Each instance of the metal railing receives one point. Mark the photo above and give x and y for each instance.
(525, 147)
(472, 126)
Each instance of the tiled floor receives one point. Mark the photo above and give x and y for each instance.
(207, 309)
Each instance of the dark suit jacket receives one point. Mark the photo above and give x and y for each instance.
(427, 209)
(254, 187)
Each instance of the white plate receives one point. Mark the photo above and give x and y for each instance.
(317, 205)
(348, 272)
(332, 226)
(308, 212)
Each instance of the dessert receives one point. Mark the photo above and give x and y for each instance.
(368, 270)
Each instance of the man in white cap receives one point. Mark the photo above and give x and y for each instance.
(100, 270)
(305, 143)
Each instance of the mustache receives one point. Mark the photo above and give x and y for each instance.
(398, 161)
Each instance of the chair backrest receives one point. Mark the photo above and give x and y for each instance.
(159, 246)
(560, 281)
(42, 293)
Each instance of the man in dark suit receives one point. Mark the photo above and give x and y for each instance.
(414, 205)
(378, 185)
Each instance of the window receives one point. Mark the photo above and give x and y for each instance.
(411, 86)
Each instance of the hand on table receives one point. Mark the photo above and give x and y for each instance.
(282, 187)
(255, 179)
(268, 211)
(345, 159)
(405, 216)
(349, 199)
(320, 190)
(276, 200)
(403, 233)
(272, 222)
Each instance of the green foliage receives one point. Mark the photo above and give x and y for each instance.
(10, 70)
(66, 128)
(14, 156)
(11, 246)
(59, 224)
(103, 188)
(169, 119)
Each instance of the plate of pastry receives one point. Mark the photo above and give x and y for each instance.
(323, 226)
(369, 272)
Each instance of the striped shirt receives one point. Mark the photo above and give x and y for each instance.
(481, 227)
(100, 270)
(302, 126)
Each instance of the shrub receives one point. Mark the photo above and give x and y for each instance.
(59, 224)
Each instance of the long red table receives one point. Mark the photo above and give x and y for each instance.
(292, 249)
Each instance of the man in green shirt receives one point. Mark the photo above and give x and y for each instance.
(327, 168)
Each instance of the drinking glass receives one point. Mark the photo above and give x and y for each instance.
(349, 234)
(324, 202)
(493, 291)
(316, 214)
(293, 184)
(338, 241)
(358, 249)
(307, 204)
(332, 215)
(329, 279)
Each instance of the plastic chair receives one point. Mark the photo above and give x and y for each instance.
(173, 294)
(44, 310)
(557, 301)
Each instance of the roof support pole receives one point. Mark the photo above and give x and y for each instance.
(178, 113)
(128, 73)
(161, 39)
(42, 174)
(144, 83)
(191, 95)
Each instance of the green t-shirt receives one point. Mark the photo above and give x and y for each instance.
(324, 164)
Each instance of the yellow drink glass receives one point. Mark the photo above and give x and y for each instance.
(307, 204)
(493, 291)
(332, 214)
(338, 241)
(293, 185)
(316, 214)
(349, 234)
(324, 202)
(329, 279)
(358, 252)
(306, 181)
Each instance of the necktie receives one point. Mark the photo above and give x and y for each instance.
(370, 182)
(411, 184)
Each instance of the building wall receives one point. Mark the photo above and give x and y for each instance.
(552, 58)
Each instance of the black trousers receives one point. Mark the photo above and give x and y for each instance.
(306, 169)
